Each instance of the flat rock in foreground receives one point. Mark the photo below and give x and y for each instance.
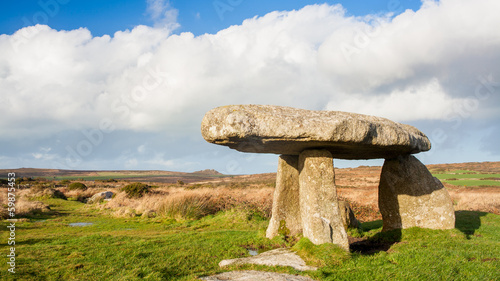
(277, 257)
(253, 275)
(286, 130)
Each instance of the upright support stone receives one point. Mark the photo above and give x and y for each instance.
(410, 196)
(318, 199)
(286, 207)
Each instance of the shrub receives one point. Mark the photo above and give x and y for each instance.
(77, 186)
(136, 190)
(65, 182)
(24, 180)
(179, 182)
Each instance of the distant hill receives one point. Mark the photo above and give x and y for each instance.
(91, 175)
(343, 177)
(208, 172)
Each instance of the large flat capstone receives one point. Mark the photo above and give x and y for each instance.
(286, 130)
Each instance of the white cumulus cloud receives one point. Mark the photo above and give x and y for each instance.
(162, 13)
(418, 65)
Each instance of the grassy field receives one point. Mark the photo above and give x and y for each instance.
(136, 248)
(474, 182)
(468, 178)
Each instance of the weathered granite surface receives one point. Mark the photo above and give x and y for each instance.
(253, 275)
(410, 196)
(347, 215)
(277, 257)
(319, 207)
(98, 197)
(286, 130)
(286, 206)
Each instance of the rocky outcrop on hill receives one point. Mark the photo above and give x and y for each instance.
(208, 172)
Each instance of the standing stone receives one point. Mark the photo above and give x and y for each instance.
(410, 196)
(318, 199)
(286, 207)
(348, 218)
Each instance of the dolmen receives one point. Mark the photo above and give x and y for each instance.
(305, 199)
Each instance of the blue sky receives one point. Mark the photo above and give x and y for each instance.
(125, 84)
(196, 16)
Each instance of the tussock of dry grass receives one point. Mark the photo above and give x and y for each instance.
(26, 208)
(24, 205)
(181, 203)
(189, 206)
(476, 200)
(38, 192)
(198, 203)
(125, 207)
(83, 195)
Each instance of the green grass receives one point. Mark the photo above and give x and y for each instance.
(165, 249)
(474, 182)
(465, 176)
(458, 172)
(468, 178)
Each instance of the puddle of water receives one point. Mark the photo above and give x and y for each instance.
(81, 224)
(252, 252)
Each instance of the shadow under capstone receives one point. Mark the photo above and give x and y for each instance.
(468, 221)
(382, 241)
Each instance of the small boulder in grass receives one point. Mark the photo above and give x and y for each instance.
(99, 197)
